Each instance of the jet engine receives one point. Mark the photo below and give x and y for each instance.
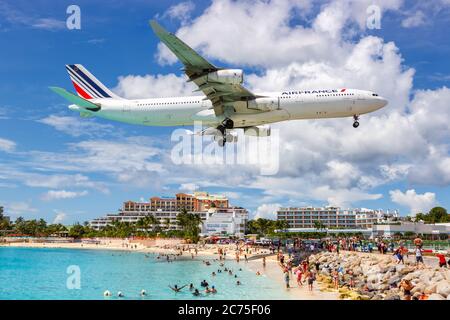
(257, 131)
(263, 104)
(228, 76)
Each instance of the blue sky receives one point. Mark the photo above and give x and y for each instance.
(54, 164)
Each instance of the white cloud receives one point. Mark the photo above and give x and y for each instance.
(63, 194)
(150, 86)
(19, 208)
(60, 217)
(188, 187)
(417, 203)
(7, 145)
(416, 19)
(49, 24)
(267, 211)
(77, 127)
(181, 11)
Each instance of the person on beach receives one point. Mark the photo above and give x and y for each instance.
(406, 286)
(335, 277)
(419, 256)
(351, 279)
(176, 288)
(286, 278)
(399, 255)
(264, 262)
(442, 262)
(311, 276)
(299, 277)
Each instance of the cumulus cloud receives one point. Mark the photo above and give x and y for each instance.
(7, 145)
(417, 203)
(60, 217)
(63, 194)
(20, 208)
(180, 11)
(416, 19)
(267, 211)
(152, 86)
(77, 127)
(188, 187)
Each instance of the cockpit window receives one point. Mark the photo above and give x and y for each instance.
(375, 94)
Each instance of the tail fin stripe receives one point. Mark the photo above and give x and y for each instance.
(84, 87)
(83, 84)
(81, 91)
(89, 81)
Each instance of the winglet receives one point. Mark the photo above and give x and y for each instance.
(83, 103)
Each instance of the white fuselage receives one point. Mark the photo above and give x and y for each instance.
(278, 106)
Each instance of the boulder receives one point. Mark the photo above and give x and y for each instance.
(392, 297)
(394, 279)
(443, 288)
(430, 288)
(436, 296)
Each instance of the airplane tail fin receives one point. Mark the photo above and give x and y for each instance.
(87, 86)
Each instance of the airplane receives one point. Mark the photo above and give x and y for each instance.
(226, 105)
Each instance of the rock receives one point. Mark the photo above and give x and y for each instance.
(430, 289)
(394, 279)
(392, 297)
(419, 288)
(436, 296)
(443, 288)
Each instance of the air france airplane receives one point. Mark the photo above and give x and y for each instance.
(226, 105)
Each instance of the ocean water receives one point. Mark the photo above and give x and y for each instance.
(42, 273)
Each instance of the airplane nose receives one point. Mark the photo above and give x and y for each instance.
(381, 102)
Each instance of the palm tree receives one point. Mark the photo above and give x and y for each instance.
(190, 224)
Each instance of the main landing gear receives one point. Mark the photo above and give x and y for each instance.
(225, 137)
(355, 123)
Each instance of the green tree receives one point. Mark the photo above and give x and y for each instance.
(437, 215)
(190, 224)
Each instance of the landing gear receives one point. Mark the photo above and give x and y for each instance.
(225, 137)
(355, 123)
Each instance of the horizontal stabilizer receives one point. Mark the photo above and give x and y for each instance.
(83, 103)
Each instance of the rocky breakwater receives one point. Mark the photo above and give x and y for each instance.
(377, 277)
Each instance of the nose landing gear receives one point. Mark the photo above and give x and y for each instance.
(355, 122)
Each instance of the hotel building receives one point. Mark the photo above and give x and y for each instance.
(166, 209)
(333, 217)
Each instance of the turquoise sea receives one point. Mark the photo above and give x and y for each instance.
(42, 273)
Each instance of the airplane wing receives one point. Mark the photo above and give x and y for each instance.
(197, 68)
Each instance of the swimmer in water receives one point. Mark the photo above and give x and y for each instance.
(213, 290)
(238, 283)
(176, 288)
(213, 274)
(196, 293)
(204, 283)
(191, 287)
